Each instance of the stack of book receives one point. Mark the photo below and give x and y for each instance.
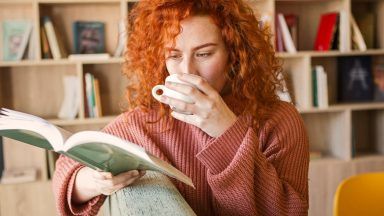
(320, 87)
(92, 96)
(286, 33)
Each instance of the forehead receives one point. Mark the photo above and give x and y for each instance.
(198, 29)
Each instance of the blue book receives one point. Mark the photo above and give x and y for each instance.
(88, 37)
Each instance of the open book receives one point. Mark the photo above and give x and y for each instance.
(97, 150)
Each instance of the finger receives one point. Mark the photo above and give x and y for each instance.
(108, 190)
(190, 119)
(178, 105)
(102, 175)
(192, 92)
(118, 179)
(199, 82)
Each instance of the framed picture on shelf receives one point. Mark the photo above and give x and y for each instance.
(15, 35)
(355, 82)
(89, 37)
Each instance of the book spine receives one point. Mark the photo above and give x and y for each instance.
(52, 39)
(288, 42)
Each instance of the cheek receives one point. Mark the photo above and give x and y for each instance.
(215, 74)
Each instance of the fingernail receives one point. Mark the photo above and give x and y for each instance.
(135, 173)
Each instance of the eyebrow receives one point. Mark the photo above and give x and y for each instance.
(195, 48)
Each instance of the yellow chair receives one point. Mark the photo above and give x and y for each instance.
(361, 195)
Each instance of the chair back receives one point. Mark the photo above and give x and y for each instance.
(362, 194)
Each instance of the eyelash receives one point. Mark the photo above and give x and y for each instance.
(203, 54)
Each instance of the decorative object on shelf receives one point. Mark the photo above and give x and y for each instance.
(355, 79)
(13, 176)
(378, 80)
(97, 150)
(71, 102)
(16, 34)
(88, 37)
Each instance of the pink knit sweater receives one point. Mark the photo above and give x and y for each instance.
(239, 173)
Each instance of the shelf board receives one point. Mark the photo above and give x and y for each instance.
(76, 1)
(85, 121)
(300, 54)
(58, 62)
(345, 107)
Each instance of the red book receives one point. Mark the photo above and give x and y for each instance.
(326, 31)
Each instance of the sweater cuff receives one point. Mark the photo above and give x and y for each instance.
(78, 209)
(219, 153)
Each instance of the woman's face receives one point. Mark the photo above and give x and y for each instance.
(199, 50)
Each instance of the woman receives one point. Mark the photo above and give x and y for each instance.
(245, 150)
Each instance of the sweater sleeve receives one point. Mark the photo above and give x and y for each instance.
(260, 175)
(63, 181)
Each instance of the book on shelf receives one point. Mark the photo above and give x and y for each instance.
(121, 40)
(88, 37)
(71, 102)
(367, 23)
(95, 149)
(327, 32)
(378, 80)
(355, 82)
(89, 57)
(19, 175)
(292, 21)
(45, 50)
(320, 87)
(55, 41)
(93, 98)
(289, 45)
(357, 38)
(15, 34)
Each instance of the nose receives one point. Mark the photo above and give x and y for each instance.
(188, 66)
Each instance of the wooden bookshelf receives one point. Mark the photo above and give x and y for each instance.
(348, 135)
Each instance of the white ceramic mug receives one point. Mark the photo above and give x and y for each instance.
(169, 92)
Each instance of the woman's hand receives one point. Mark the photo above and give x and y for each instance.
(208, 112)
(90, 183)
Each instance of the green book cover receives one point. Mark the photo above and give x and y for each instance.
(95, 149)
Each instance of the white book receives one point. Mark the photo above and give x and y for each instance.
(357, 37)
(71, 102)
(287, 38)
(24, 41)
(121, 40)
(89, 57)
(95, 149)
(344, 35)
(52, 38)
(322, 87)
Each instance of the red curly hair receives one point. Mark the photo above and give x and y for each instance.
(154, 23)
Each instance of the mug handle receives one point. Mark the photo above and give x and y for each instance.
(157, 88)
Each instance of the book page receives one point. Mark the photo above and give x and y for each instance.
(30, 129)
(153, 194)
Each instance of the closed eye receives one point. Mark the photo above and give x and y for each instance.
(206, 54)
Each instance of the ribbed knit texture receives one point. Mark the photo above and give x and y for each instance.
(239, 173)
